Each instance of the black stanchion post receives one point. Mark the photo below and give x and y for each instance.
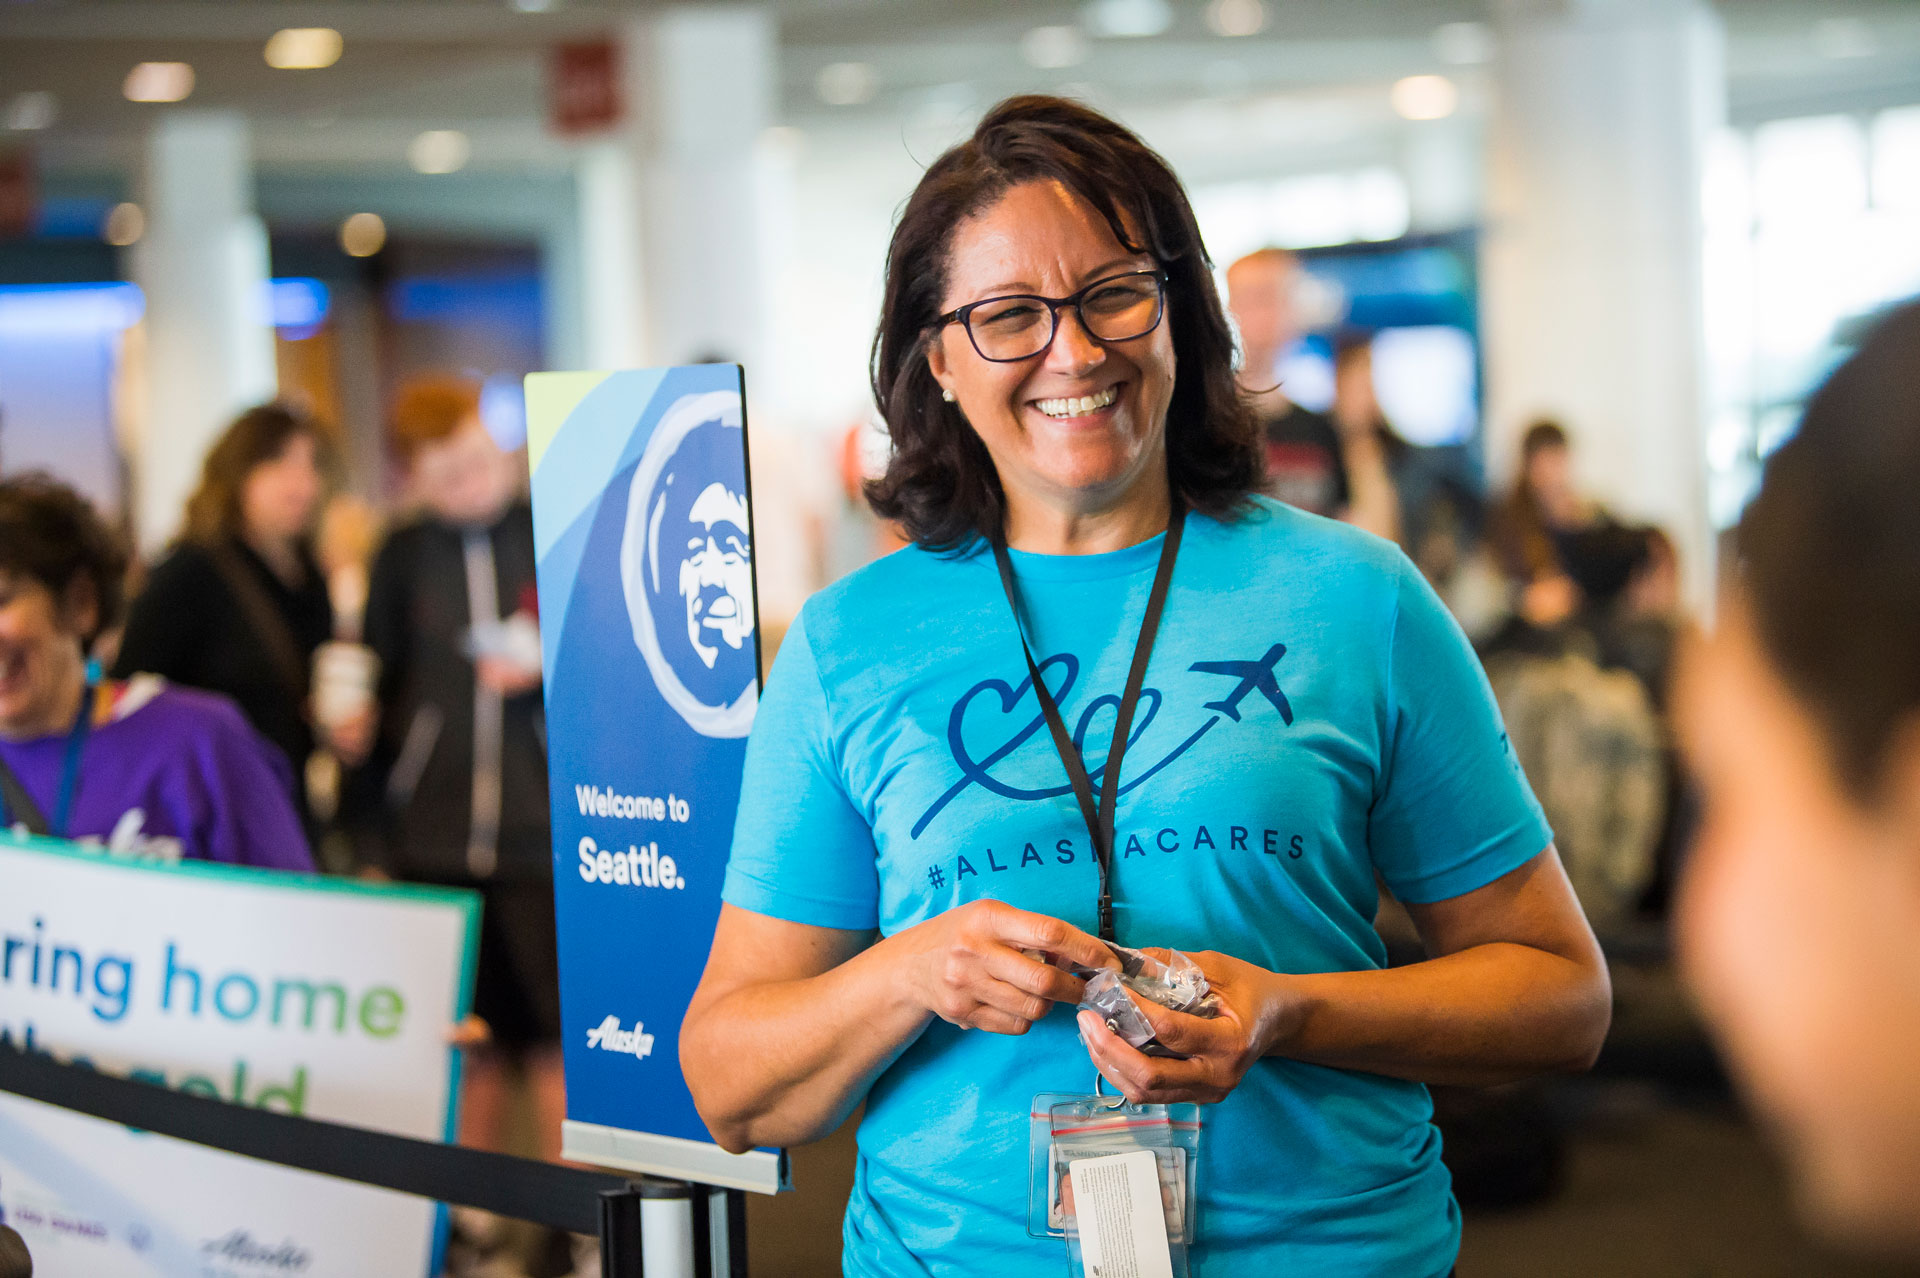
(620, 1244)
(736, 1233)
(700, 1205)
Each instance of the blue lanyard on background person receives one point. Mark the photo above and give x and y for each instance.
(1099, 818)
(69, 776)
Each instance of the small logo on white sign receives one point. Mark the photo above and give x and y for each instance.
(609, 1037)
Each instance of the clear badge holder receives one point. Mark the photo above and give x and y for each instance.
(1065, 1129)
(1119, 1181)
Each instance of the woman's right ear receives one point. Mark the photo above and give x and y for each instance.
(937, 365)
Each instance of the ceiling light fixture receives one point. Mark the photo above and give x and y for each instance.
(158, 82)
(847, 83)
(34, 109)
(532, 6)
(304, 48)
(1051, 48)
(1236, 17)
(363, 235)
(1127, 19)
(439, 151)
(125, 224)
(1425, 97)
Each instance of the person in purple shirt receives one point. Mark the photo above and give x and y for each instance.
(137, 767)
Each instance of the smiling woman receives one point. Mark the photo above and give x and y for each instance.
(932, 840)
(979, 228)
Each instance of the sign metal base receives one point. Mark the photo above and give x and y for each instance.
(762, 1171)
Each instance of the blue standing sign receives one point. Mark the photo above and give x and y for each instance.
(650, 643)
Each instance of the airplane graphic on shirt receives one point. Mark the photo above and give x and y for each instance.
(1254, 676)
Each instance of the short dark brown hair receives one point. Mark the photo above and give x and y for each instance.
(50, 535)
(255, 437)
(1830, 552)
(430, 408)
(940, 484)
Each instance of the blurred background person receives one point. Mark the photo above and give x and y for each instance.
(454, 790)
(1529, 529)
(239, 604)
(1428, 499)
(1579, 667)
(137, 766)
(1310, 464)
(1800, 915)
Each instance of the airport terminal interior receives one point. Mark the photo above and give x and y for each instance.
(1580, 261)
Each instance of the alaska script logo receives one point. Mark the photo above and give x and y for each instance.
(1252, 676)
(242, 1249)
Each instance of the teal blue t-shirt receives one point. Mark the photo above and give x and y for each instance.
(900, 766)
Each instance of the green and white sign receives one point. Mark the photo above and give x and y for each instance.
(312, 996)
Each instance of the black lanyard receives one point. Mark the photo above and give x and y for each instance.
(30, 815)
(1100, 819)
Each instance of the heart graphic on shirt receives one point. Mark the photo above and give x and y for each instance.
(1017, 719)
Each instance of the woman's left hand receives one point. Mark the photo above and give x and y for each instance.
(1256, 1010)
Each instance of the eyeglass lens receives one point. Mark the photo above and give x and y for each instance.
(1114, 310)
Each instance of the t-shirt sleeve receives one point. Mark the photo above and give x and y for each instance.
(1453, 811)
(801, 849)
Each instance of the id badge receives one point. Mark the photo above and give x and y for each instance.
(1109, 1176)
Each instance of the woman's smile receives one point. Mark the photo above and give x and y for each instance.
(1091, 409)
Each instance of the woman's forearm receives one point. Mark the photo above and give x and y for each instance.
(784, 1062)
(1489, 1014)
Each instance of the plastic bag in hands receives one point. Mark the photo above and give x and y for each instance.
(1178, 984)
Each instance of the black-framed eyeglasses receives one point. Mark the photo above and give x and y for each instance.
(1019, 326)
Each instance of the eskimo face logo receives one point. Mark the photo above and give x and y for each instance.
(686, 565)
(716, 578)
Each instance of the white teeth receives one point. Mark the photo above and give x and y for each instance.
(1079, 406)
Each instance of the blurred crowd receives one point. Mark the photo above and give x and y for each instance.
(1575, 613)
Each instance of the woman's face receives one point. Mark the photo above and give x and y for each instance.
(1799, 926)
(1079, 425)
(1550, 475)
(281, 496)
(42, 664)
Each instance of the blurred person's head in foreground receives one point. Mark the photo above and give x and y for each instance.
(988, 397)
(455, 467)
(263, 480)
(1261, 291)
(61, 586)
(1800, 916)
(14, 1260)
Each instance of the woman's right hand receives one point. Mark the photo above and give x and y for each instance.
(974, 967)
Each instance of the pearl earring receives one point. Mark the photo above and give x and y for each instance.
(946, 394)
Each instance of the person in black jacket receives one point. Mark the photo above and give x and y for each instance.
(238, 605)
(455, 790)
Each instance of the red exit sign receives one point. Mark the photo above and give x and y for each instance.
(583, 87)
